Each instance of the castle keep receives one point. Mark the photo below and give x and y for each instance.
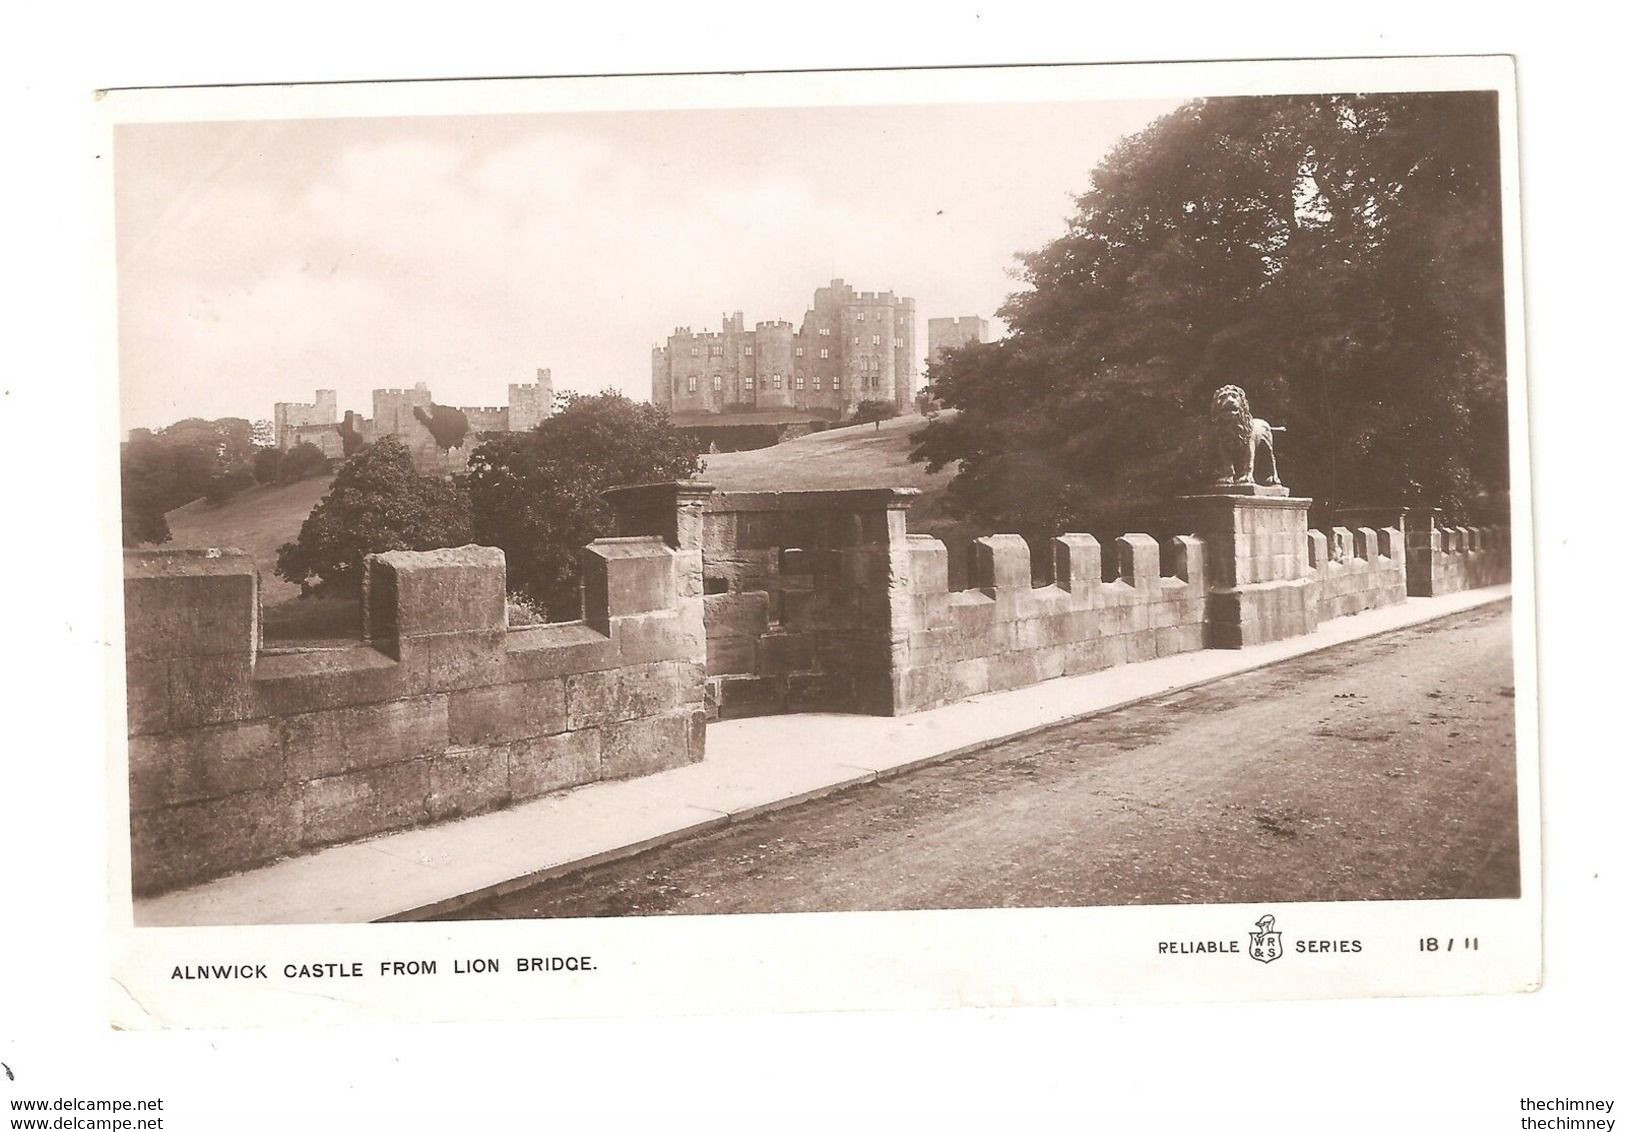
(852, 346)
(394, 413)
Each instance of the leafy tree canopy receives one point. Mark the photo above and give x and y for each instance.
(447, 425)
(302, 461)
(875, 411)
(1339, 257)
(537, 494)
(161, 469)
(378, 502)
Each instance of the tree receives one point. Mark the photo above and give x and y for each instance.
(377, 503)
(227, 484)
(268, 465)
(875, 411)
(447, 425)
(302, 461)
(537, 494)
(161, 469)
(1337, 256)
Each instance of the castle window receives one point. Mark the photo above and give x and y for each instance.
(854, 339)
(823, 353)
(874, 339)
(835, 382)
(778, 381)
(716, 382)
(693, 383)
(801, 381)
(716, 351)
(693, 351)
(750, 381)
(749, 350)
(824, 330)
(818, 382)
(798, 351)
(860, 316)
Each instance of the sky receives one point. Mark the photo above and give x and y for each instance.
(259, 261)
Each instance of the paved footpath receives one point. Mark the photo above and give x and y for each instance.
(1379, 770)
(752, 766)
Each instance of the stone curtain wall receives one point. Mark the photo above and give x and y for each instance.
(239, 756)
(1352, 571)
(1444, 560)
(792, 588)
(1003, 633)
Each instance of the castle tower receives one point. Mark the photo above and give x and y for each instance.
(528, 405)
(951, 333)
(289, 415)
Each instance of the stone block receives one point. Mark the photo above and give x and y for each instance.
(741, 697)
(208, 762)
(1011, 670)
(969, 678)
(467, 780)
(736, 614)
(1001, 562)
(178, 845)
(414, 593)
(1139, 561)
(290, 683)
(622, 576)
(462, 660)
(778, 653)
(210, 689)
(1077, 563)
(1187, 553)
(189, 603)
(650, 689)
(646, 746)
(363, 802)
(927, 565)
(726, 656)
(505, 712)
(818, 691)
(1365, 544)
(595, 698)
(554, 762)
(645, 638)
(325, 743)
(1174, 639)
(541, 651)
(146, 695)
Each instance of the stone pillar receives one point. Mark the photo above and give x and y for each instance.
(1257, 564)
(191, 633)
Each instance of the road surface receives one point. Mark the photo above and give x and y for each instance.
(1380, 769)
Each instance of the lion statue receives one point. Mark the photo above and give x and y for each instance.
(1238, 435)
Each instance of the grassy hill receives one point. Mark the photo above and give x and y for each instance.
(257, 521)
(855, 456)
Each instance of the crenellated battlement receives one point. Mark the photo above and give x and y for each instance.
(1106, 607)
(240, 754)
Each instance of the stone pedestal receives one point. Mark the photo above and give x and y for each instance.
(1257, 546)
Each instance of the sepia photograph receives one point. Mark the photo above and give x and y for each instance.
(728, 496)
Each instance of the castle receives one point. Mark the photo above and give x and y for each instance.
(852, 346)
(395, 413)
(950, 333)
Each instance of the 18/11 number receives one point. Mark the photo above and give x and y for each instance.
(1431, 943)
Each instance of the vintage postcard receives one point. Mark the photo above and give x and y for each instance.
(831, 540)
